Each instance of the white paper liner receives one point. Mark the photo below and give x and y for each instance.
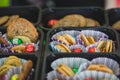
(97, 35)
(95, 75)
(73, 33)
(112, 64)
(78, 46)
(72, 62)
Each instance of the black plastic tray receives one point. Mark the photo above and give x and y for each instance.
(57, 13)
(37, 53)
(49, 59)
(113, 16)
(31, 13)
(28, 57)
(109, 31)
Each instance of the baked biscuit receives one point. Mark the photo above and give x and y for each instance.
(100, 67)
(19, 48)
(71, 20)
(85, 40)
(63, 48)
(3, 19)
(65, 70)
(91, 39)
(69, 38)
(22, 27)
(90, 22)
(11, 19)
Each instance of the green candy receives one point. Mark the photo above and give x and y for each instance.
(14, 77)
(16, 41)
(75, 70)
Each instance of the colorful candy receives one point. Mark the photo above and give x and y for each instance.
(92, 49)
(14, 77)
(52, 22)
(16, 41)
(29, 48)
(75, 70)
(77, 50)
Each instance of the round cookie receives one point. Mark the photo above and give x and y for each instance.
(22, 27)
(71, 20)
(3, 19)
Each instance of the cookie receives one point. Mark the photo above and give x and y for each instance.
(11, 57)
(65, 70)
(63, 48)
(90, 22)
(100, 67)
(91, 39)
(4, 69)
(71, 20)
(116, 25)
(22, 27)
(86, 42)
(61, 38)
(13, 62)
(3, 19)
(108, 47)
(11, 19)
(19, 48)
(69, 38)
(27, 67)
(100, 45)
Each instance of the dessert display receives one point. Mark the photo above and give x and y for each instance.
(83, 69)
(73, 20)
(21, 36)
(14, 68)
(81, 41)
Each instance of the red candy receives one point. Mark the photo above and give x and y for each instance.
(92, 49)
(29, 48)
(52, 22)
(77, 50)
(88, 79)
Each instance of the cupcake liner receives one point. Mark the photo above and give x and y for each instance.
(56, 75)
(5, 48)
(112, 64)
(95, 75)
(73, 33)
(72, 62)
(13, 71)
(96, 34)
(54, 48)
(78, 46)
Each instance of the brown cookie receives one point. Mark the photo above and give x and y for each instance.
(3, 19)
(116, 25)
(73, 20)
(11, 19)
(90, 22)
(22, 27)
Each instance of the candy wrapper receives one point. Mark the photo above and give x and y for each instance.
(112, 64)
(97, 35)
(73, 33)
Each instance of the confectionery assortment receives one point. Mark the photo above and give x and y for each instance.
(81, 41)
(63, 69)
(21, 37)
(73, 20)
(15, 68)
